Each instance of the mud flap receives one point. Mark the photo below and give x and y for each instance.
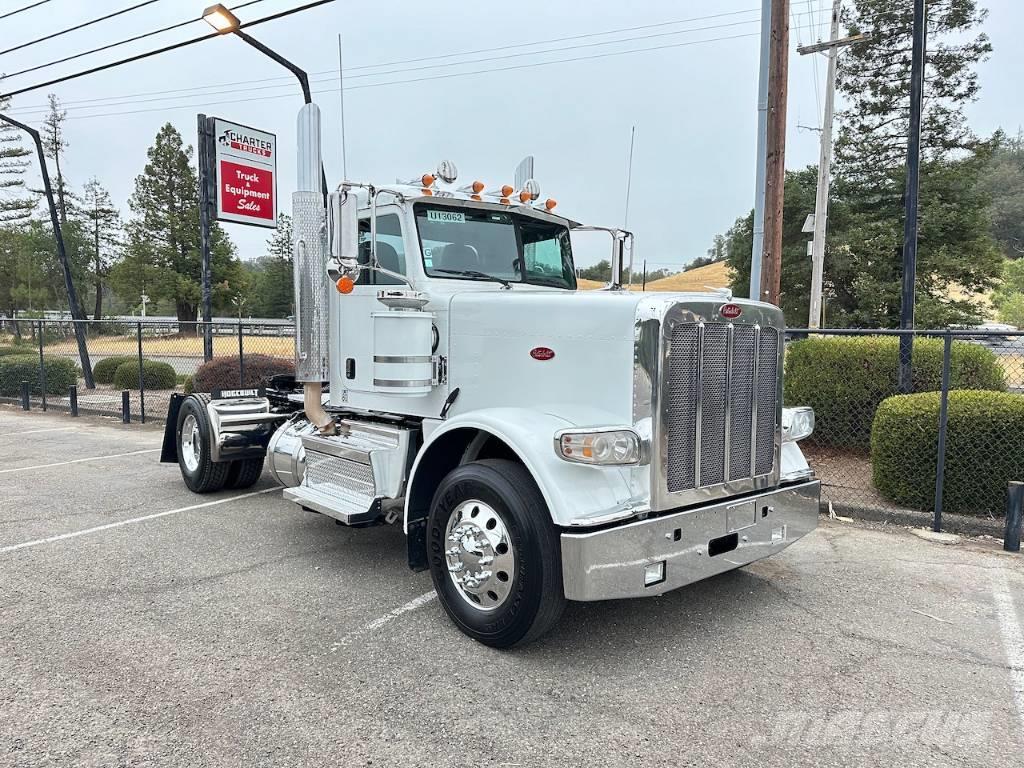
(169, 449)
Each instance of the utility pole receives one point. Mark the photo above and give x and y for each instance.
(910, 197)
(831, 48)
(775, 159)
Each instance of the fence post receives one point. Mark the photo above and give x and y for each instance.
(940, 468)
(26, 403)
(1014, 513)
(241, 357)
(73, 399)
(126, 407)
(142, 377)
(42, 366)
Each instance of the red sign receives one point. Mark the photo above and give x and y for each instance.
(730, 311)
(246, 164)
(542, 353)
(246, 190)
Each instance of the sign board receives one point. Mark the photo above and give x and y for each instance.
(246, 173)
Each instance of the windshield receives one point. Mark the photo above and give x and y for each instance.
(471, 244)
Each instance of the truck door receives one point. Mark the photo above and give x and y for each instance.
(356, 353)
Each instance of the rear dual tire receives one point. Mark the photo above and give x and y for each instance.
(200, 473)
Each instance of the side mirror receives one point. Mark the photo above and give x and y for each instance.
(343, 233)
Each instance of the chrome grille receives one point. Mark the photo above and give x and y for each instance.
(722, 405)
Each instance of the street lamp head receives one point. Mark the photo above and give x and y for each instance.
(221, 19)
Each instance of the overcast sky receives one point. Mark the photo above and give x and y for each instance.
(692, 97)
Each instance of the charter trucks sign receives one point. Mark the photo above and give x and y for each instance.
(246, 162)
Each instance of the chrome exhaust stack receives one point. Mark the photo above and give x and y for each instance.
(310, 253)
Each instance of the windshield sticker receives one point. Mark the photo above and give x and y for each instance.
(448, 217)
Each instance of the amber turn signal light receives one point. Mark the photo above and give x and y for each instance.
(345, 284)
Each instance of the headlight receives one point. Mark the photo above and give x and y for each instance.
(599, 446)
(797, 423)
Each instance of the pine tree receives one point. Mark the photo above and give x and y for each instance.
(16, 202)
(103, 224)
(275, 289)
(54, 144)
(161, 255)
(863, 261)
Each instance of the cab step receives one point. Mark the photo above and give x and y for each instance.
(350, 475)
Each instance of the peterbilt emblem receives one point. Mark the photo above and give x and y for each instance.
(730, 311)
(542, 353)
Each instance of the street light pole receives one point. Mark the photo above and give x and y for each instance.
(62, 256)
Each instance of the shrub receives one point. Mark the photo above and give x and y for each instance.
(984, 449)
(103, 371)
(222, 372)
(155, 375)
(187, 385)
(845, 378)
(61, 373)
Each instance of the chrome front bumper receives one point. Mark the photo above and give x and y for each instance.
(609, 564)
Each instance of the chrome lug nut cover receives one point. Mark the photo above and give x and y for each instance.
(481, 564)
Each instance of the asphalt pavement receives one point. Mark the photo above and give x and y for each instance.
(142, 625)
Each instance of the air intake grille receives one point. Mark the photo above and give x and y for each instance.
(722, 404)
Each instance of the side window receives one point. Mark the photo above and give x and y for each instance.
(390, 250)
(544, 256)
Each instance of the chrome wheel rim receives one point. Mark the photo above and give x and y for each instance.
(480, 557)
(191, 446)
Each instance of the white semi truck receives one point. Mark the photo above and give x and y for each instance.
(539, 443)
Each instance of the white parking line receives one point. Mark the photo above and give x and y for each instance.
(36, 431)
(1013, 637)
(77, 461)
(412, 605)
(119, 523)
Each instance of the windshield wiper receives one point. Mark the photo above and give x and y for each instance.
(474, 273)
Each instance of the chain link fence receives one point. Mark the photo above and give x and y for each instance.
(944, 434)
(137, 364)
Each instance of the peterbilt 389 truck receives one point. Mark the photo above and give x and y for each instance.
(539, 443)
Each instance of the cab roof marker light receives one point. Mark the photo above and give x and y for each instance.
(472, 189)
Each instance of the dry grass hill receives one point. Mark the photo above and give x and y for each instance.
(700, 279)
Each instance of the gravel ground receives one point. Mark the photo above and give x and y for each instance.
(142, 625)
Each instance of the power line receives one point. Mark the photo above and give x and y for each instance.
(16, 11)
(165, 49)
(162, 95)
(83, 25)
(195, 93)
(391, 63)
(423, 79)
(118, 43)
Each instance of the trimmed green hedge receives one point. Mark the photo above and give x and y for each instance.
(844, 379)
(984, 450)
(61, 373)
(155, 375)
(103, 371)
(222, 372)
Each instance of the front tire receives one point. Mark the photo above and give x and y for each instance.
(495, 558)
(200, 473)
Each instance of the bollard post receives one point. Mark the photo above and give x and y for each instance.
(26, 403)
(73, 399)
(126, 407)
(1014, 513)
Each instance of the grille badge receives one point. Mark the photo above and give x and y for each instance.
(730, 311)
